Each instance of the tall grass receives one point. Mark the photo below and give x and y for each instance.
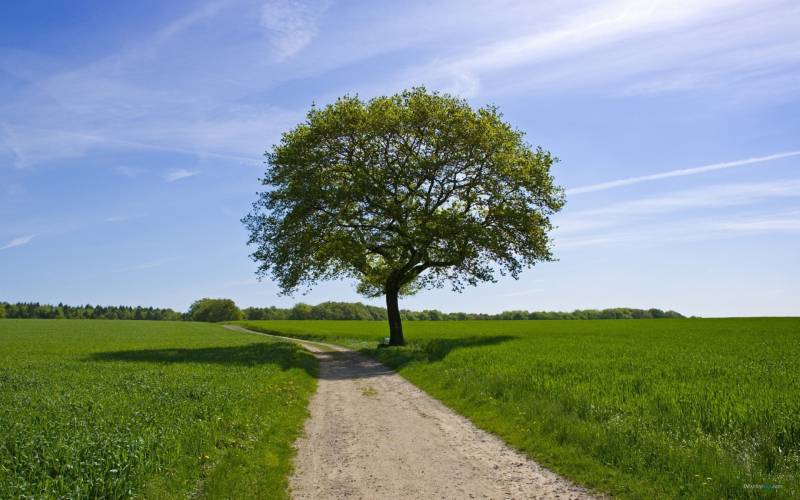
(640, 409)
(115, 409)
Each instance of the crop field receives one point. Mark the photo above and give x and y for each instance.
(114, 409)
(700, 408)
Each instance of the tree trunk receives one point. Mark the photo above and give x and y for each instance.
(395, 325)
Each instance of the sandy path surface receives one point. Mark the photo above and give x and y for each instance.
(372, 434)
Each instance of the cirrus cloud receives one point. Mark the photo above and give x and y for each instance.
(178, 174)
(19, 241)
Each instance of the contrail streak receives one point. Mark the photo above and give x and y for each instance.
(680, 173)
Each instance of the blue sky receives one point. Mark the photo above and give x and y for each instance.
(131, 136)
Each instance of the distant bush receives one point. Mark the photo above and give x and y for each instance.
(214, 310)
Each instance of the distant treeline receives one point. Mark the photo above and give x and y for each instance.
(359, 311)
(225, 309)
(27, 310)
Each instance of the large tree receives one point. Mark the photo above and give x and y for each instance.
(401, 193)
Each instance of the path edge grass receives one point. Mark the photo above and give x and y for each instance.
(262, 471)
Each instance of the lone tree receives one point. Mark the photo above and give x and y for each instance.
(402, 193)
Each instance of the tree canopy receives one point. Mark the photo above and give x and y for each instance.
(401, 193)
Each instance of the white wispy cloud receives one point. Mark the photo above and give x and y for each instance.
(782, 222)
(203, 13)
(691, 229)
(292, 24)
(178, 174)
(31, 145)
(687, 215)
(19, 241)
(718, 195)
(135, 99)
(646, 209)
(601, 25)
(680, 172)
(657, 46)
(196, 85)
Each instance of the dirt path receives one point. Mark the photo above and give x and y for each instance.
(372, 434)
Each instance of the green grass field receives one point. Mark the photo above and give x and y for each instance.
(113, 409)
(706, 408)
